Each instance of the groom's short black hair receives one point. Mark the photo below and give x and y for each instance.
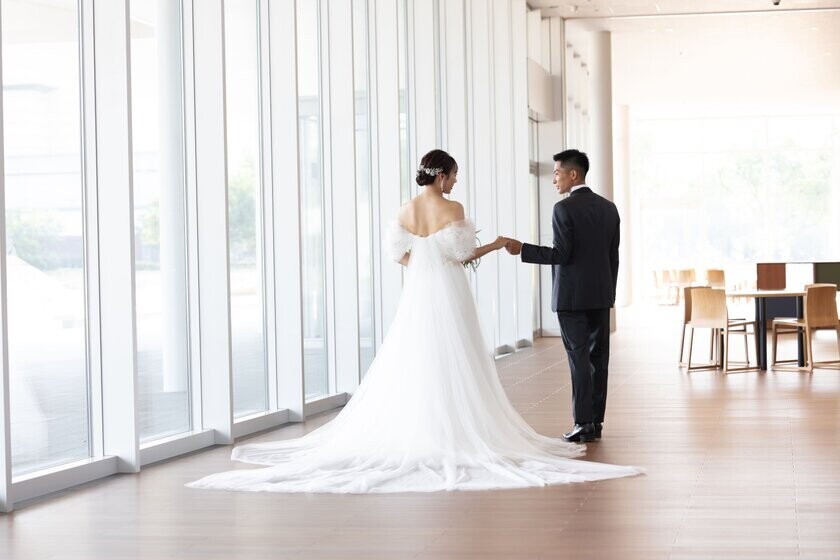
(574, 159)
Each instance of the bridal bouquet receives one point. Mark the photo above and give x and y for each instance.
(473, 263)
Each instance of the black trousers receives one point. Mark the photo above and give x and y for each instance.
(586, 336)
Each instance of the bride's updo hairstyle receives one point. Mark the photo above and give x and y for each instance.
(436, 161)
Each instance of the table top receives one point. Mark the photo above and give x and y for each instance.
(765, 293)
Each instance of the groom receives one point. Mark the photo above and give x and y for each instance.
(585, 272)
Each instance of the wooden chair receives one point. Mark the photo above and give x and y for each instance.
(686, 291)
(709, 311)
(664, 284)
(820, 313)
(715, 278)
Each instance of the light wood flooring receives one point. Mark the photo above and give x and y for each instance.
(745, 465)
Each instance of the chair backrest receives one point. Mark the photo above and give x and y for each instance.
(771, 276)
(820, 305)
(687, 304)
(715, 278)
(708, 308)
(686, 277)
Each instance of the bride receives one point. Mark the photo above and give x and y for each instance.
(431, 413)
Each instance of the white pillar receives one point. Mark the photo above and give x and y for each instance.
(6, 500)
(345, 292)
(114, 179)
(171, 180)
(212, 218)
(600, 176)
(287, 269)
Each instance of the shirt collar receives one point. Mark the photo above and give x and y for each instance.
(576, 187)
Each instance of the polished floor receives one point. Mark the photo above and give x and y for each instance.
(739, 466)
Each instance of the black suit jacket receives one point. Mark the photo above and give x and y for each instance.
(585, 252)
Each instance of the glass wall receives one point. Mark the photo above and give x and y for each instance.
(163, 366)
(364, 209)
(771, 183)
(45, 242)
(315, 363)
(242, 89)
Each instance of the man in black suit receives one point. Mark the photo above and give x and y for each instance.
(585, 271)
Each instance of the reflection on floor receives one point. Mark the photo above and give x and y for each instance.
(739, 466)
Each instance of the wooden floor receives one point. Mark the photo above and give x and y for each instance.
(739, 466)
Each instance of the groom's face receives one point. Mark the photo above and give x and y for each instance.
(563, 179)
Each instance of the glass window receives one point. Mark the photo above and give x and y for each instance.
(315, 363)
(160, 255)
(242, 88)
(45, 234)
(364, 217)
(722, 192)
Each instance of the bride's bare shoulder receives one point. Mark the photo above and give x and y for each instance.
(455, 210)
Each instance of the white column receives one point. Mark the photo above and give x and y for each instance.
(116, 233)
(286, 197)
(482, 156)
(212, 217)
(454, 115)
(505, 178)
(6, 499)
(521, 171)
(599, 111)
(423, 78)
(386, 169)
(344, 289)
(621, 197)
(600, 176)
(171, 175)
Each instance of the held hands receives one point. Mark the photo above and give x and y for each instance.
(512, 246)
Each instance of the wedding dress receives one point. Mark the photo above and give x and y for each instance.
(431, 413)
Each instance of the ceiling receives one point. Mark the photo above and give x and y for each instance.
(575, 9)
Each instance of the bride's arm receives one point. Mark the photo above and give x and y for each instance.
(404, 260)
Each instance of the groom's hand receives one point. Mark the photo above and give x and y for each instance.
(513, 246)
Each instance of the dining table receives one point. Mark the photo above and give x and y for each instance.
(761, 297)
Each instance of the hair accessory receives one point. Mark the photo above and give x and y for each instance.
(429, 170)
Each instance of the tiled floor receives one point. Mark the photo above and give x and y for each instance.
(743, 465)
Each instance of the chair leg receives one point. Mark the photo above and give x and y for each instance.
(775, 343)
(809, 350)
(755, 340)
(712, 340)
(746, 347)
(690, 346)
(726, 352)
(682, 343)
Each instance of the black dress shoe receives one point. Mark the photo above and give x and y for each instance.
(599, 427)
(581, 433)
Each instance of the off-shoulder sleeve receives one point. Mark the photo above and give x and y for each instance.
(397, 240)
(458, 240)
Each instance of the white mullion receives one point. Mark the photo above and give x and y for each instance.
(388, 130)
(91, 232)
(373, 139)
(116, 233)
(268, 247)
(344, 255)
(525, 298)
(504, 178)
(212, 218)
(193, 285)
(288, 270)
(423, 101)
(6, 498)
(326, 190)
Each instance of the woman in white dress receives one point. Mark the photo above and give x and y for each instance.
(430, 413)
